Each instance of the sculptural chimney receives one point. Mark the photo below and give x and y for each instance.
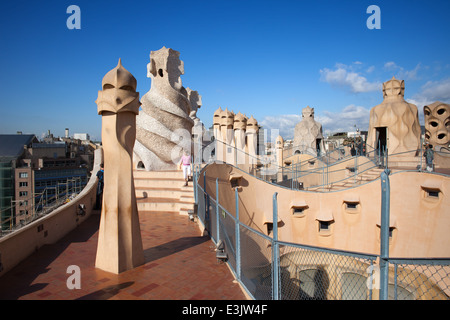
(119, 241)
(394, 124)
(240, 126)
(164, 127)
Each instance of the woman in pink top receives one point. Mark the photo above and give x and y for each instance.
(185, 163)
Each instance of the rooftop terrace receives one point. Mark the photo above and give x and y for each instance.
(180, 264)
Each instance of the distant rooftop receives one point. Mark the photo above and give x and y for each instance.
(11, 145)
(49, 145)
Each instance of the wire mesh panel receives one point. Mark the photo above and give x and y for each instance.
(308, 274)
(201, 209)
(256, 263)
(213, 220)
(419, 280)
(314, 273)
(228, 235)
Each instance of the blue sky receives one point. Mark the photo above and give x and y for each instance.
(268, 59)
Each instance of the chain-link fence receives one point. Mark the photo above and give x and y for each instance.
(309, 273)
(271, 269)
(419, 279)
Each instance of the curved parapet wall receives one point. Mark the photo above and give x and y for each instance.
(345, 220)
(18, 245)
(163, 125)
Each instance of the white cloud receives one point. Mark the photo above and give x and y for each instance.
(430, 92)
(400, 72)
(344, 120)
(285, 123)
(344, 77)
(390, 65)
(437, 90)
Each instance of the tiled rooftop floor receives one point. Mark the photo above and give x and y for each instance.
(180, 265)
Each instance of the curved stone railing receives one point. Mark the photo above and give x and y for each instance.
(50, 228)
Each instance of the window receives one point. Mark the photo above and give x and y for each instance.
(23, 174)
(324, 225)
(234, 183)
(433, 194)
(325, 220)
(351, 205)
(269, 228)
(23, 184)
(23, 193)
(235, 179)
(299, 208)
(391, 232)
(299, 211)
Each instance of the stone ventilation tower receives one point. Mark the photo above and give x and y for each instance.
(437, 124)
(119, 240)
(164, 125)
(252, 139)
(198, 130)
(235, 131)
(216, 124)
(227, 132)
(308, 136)
(394, 124)
(240, 127)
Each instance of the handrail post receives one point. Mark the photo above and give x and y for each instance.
(195, 182)
(217, 210)
(275, 252)
(238, 239)
(384, 235)
(421, 155)
(207, 212)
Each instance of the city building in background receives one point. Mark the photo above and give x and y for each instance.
(35, 175)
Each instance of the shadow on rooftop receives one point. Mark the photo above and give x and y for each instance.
(18, 281)
(171, 247)
(107, 293)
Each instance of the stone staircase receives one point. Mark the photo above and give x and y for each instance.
(163, 191)
(352, 181)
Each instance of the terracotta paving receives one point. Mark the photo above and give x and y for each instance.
(180, 265)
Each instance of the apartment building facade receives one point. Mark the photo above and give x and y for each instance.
(39, 175)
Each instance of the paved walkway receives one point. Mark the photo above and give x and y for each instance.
(180, 265)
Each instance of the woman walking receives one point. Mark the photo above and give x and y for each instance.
(185, 164)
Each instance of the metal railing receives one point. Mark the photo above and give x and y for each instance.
(325, 170)
(268, 268)
(40, 204)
